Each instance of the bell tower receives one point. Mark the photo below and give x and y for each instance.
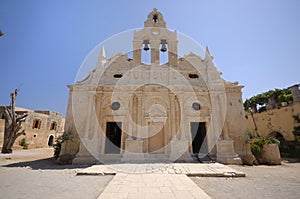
(156, 38)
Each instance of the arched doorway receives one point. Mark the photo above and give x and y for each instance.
(277, 135)
(50, 140)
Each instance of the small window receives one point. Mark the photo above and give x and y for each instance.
(115, 106)
(34, 135)
(196, 106)
(53, 126)
(118, 76)
(36, 124)
(193, 76)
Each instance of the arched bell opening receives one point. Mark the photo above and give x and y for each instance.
(146, 52)
(163, 54)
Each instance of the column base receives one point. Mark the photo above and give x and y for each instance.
(84, 160)
(226, 154)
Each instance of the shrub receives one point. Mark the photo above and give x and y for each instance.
(59, 141)
(23, 143)
(290, 148)
(257, 144)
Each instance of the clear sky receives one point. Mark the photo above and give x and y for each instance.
(255, 42)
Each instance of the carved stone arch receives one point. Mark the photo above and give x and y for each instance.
(154, 99)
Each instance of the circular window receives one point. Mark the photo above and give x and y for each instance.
(115, 106)
(196, 106)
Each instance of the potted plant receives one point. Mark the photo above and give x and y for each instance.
(266, 150)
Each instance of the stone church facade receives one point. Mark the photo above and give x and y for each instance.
(130, 111)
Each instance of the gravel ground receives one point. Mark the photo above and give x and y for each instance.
(260, 182)
(25, 175)
(33, 174)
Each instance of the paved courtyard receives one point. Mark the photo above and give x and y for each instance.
(33, 174)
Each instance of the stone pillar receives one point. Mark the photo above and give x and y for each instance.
(180, 147)
(88, 136)
(225, 149)
(154, 52)
(139, 114)
(83, 157)
(134, 145)
(172, 53)
(137, 51)
(172, 118)
(134, 116)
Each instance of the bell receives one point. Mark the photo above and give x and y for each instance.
(163, 47)
(146, 45)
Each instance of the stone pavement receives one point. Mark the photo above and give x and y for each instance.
(189, 169)
(157, 180)
(144, 186)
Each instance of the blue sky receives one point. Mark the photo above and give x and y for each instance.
(255, 42)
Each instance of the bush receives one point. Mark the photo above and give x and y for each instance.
(23, 143)
(290, 148)
(257, 144)
(59, 141)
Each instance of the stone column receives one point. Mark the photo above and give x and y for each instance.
(134, 147)
(137, 51)
(172, 52)
(155, 52)
(85, 156)
(130, 117)
(139, 114)
(225, 149)
(172, 118)
(134, 116)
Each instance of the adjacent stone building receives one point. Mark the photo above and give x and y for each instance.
(41, 128)
(130, 111)
(278, 122)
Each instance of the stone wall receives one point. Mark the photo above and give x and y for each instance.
(277, 120)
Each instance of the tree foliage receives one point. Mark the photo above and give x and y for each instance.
(262, 99)
(59, 141)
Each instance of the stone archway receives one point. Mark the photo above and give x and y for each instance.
(277, 135)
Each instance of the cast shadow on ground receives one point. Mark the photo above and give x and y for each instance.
(45, 164)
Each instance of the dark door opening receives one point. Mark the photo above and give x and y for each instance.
(113, 137)
(198, 131)
(50, 140)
